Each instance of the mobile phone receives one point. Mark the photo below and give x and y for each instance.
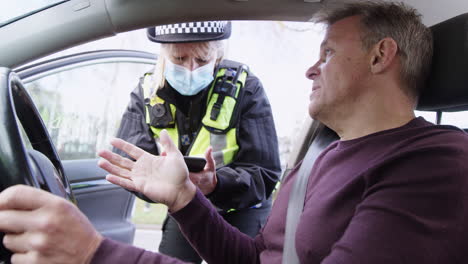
(195, 164)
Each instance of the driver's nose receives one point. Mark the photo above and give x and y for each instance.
(313, 71)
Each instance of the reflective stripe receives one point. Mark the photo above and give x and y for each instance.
(231, 149)
(224, 146)
(218, 142)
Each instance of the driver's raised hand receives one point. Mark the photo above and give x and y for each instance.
(162, 178)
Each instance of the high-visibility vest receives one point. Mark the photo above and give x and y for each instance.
(218, 127)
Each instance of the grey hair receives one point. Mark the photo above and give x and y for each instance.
(398, 21)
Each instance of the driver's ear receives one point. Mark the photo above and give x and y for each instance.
(383, 55)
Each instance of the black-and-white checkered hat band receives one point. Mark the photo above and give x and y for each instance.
(190, 32)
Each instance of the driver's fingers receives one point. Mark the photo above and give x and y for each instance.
(116, 159)
(132, 150)
(24, 198)
(19, 243)
(124, 183)
(23, 258)
(113, 169)
(26, 258)
(14, 221)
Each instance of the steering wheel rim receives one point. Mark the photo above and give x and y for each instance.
(17, 165)
(16, 106)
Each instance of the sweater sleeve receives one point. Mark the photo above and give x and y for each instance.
(212, 237)
(252, 176)
(113, 252)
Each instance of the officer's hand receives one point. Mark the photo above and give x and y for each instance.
(43, 228)
(206, 180)
(162, 178)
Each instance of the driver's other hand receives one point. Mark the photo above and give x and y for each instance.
(163, 179)
(43, 228)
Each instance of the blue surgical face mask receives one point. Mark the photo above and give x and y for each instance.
(188, 82)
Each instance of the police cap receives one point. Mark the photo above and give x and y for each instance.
(190, 32)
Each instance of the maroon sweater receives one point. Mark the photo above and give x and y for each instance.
(396, 196)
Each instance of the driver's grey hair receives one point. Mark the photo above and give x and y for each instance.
(394, 20)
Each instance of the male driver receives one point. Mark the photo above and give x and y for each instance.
(392, 190)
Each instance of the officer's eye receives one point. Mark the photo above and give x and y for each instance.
(201, 60)
(180, 58)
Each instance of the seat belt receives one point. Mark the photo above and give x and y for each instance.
(324, 136)
(296, 203)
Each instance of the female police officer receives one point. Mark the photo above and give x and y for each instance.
(213, 108)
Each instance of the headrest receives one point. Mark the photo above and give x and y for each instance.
(190, 32)
(447, 86)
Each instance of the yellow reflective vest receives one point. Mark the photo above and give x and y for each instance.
(218, 127)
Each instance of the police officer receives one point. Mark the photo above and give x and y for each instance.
(212, 108)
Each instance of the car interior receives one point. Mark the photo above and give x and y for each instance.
(80, 21)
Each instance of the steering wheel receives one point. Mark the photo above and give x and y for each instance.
(39, 167)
